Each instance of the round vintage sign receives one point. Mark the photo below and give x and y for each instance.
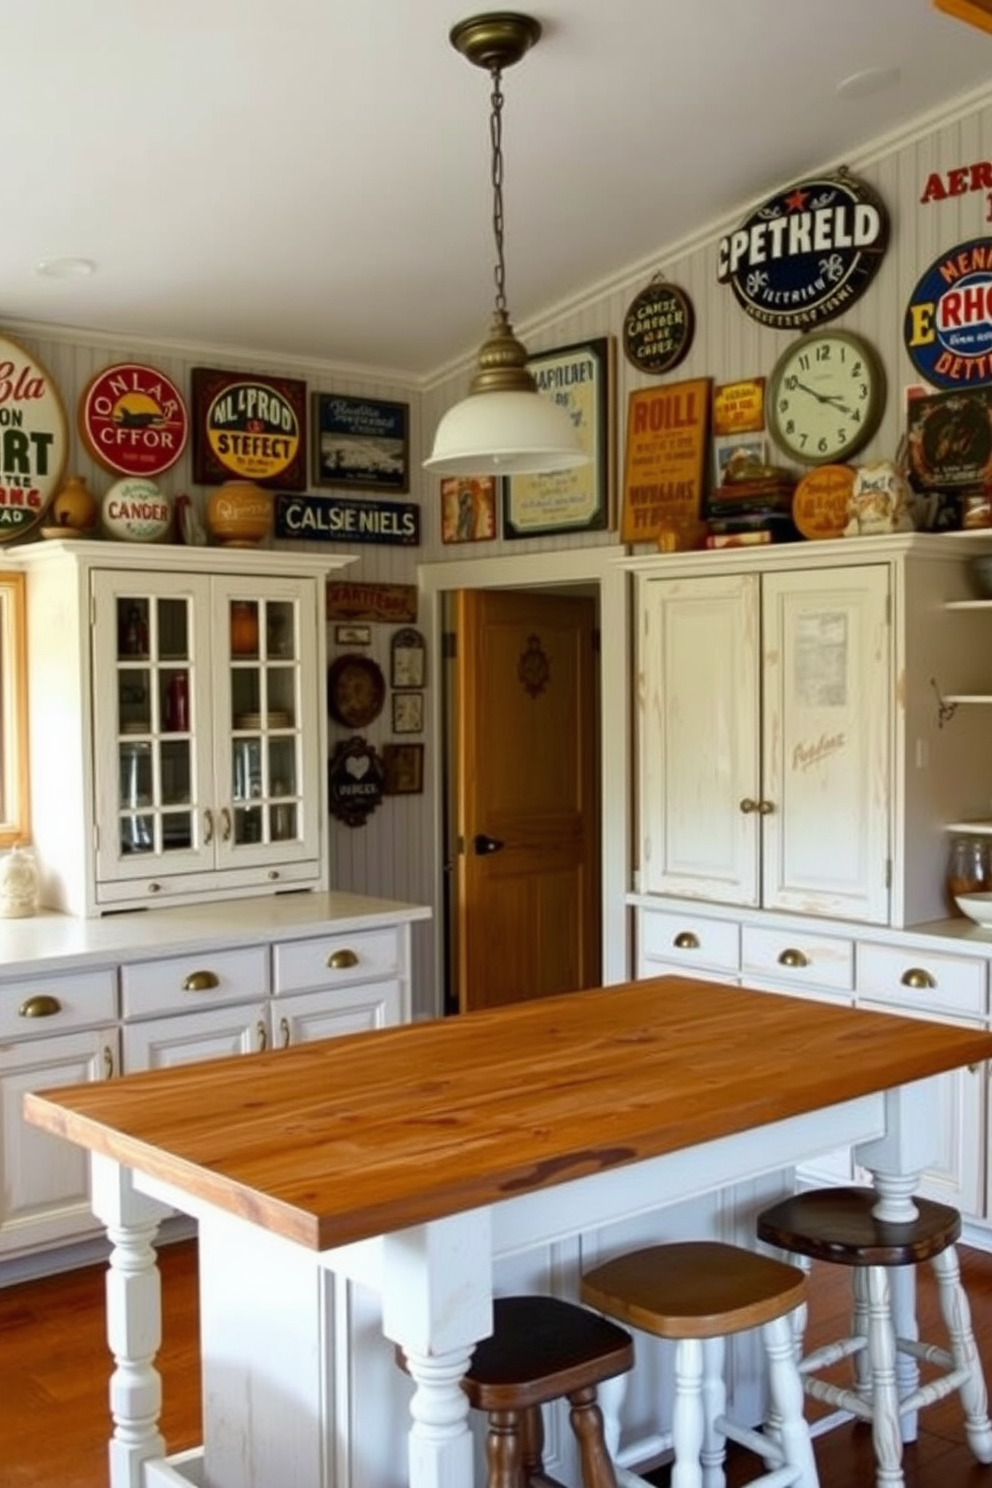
(948, 325)
(248, 426)
(658, 328)
(34, 440)
(136, 510)
(133, 420)
(806, 254)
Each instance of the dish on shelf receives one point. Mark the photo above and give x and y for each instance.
(977, 907)
(276, 719)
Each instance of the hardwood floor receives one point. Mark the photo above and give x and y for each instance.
(54, 1366)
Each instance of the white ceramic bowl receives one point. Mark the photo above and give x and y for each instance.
(977, 907)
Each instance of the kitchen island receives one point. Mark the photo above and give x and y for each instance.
(402, 1165)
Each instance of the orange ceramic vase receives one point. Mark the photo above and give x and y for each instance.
(239, 514)
(75, 508)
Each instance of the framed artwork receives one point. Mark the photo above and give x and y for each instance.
(353, 635)
(408, 712)
(664, 465)
(407, 658)
(403, 767)
(363, 443)
(248, 427)
(468, 508)
(580, 378)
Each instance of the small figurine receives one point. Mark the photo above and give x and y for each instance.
(879, 501)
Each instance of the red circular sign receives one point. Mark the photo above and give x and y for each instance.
(133, 419)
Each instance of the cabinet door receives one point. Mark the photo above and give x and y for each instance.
(266, 698)
(319, 1015)
(152, 709)
(827, 679)
(45, 1188)
(699, 750)
(160, 1043)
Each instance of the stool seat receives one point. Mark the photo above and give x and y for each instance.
(698, 1293)
(839, 1225)
(543, 1349)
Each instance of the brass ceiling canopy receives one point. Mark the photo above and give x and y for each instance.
(495, 41)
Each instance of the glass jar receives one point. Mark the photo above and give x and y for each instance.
(19, 884)
(969, 868)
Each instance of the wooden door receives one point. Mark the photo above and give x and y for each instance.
(526, 913)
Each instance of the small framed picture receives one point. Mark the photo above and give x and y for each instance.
(352, 635)
(360, 442)
(408, 712)
(468, 508)
(407, 655)
(403, 765)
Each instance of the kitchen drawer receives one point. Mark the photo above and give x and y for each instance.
(795, 957)
(184, 983)
(689, 939)
(915, 979)
(67, 1000)
(334, 960)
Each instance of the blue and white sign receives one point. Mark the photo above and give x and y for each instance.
(948, 325)
(804, 256)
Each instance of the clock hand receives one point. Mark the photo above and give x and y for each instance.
(833, 398)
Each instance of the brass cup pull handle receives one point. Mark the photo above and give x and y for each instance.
(41, 1005)
(747, 806)
(201, 981)
(225, 824)
(918, 978)
(793, 958)
(686, 941)
(341, 960)
(208, 828)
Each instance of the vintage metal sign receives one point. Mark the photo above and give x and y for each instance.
(658, 328)
(948, 324)
(391, 604)
(133, 420)
(355, 781)
(805, 255)
(342, 519)
(33, 440)
(250, 427)
(960, 179)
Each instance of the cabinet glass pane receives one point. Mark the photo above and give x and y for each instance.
(280, 629)
(134, 715)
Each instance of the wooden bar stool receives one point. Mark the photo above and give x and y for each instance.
(543, 1349)
(698, 1293)
(840, 1225)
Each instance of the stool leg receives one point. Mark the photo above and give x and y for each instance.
(885, 1430)
(687, 1414)
(902, 1287)
(611, 1395)
(504, 1465)
(714, 1397)
(532, 1443)
(786, 1396)
(957, 1318)
(587, 1423)
(860, 1367)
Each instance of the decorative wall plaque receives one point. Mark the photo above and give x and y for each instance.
(658, 328)
(249, 426)
(34, 440)
(948, 325)
(806, 254)
(133, 420)
(355, 781)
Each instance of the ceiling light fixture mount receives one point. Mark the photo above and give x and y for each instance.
(504, 425)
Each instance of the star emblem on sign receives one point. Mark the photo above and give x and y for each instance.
(797, 201)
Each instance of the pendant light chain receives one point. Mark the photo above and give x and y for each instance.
(496, 138)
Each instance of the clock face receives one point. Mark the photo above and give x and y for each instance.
(826, 397)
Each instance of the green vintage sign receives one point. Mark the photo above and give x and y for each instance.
(34, 439)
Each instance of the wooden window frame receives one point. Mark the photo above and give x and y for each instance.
(15, 823)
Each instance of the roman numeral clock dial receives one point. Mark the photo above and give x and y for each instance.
(826, 397)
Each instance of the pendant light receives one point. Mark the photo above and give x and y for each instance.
(504, 426)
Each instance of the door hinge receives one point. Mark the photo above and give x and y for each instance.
(449, 645)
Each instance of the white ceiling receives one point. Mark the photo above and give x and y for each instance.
(311, 177)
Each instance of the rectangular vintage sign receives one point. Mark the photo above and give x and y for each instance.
(392, 604)
(347, 520)
(664, 466)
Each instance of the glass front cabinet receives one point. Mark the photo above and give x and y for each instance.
(205, 707)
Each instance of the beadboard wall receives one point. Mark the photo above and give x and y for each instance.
(397, 853)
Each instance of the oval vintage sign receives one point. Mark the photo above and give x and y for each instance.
(33, 440)
(133, 420)
(805, 255)
(658, 328)
(948, 325)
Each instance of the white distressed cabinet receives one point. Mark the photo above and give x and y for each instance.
(177, 725)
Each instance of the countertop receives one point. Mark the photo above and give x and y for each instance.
(337, 1141)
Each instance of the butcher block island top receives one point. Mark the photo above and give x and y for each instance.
(338, 1141)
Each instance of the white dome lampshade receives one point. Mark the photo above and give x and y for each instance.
(505, 426)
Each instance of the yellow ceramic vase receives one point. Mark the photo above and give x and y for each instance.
(239, 514)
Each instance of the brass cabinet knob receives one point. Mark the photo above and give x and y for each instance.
(201, 981)
(686, 941)
(793, 958)
(918, 978)
(41, 1005)
(341, 960)
(747, 806)
(765, 808)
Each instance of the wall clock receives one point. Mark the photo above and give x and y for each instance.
(826, 397)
